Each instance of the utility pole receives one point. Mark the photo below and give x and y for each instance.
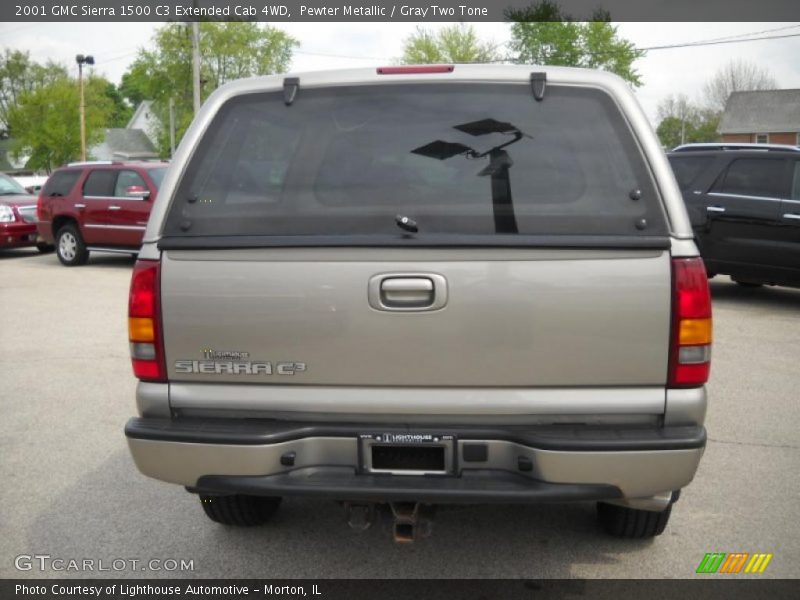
(82, 60)
(171, 127)
(196, 65)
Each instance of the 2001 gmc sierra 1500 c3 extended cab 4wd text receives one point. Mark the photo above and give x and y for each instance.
(423, 285)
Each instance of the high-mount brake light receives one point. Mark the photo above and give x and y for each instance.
(144, 322)
(412, 69)
(690, 352)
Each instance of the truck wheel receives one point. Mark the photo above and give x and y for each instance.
(621, 521)
(239, 510)
(70, 247)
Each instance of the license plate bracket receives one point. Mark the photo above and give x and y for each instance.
(407, 453)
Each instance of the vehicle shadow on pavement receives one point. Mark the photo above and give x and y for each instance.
(109, 261)
(114, 512)
(10, 253)
(772, 297)
(99, 260)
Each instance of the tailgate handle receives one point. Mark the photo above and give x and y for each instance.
(407, 292)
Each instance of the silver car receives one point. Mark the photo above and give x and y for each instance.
(423, 285)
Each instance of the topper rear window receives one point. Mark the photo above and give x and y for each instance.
(477, 160)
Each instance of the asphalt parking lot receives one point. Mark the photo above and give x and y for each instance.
(70, 490)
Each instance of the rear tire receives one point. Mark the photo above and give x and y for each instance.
(624, 522)
(70, 247)
(239, 510)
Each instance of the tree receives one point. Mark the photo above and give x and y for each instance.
(671, 132)
(455, 44)
(122, 111)
(542, 34)
(229, 50)
(676, 116)
(736, 76)
(678, 106)
(133, 86)
(19, 75)
(46, 124)
(683, 122)
(707, 127)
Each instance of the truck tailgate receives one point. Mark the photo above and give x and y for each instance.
(511, 317)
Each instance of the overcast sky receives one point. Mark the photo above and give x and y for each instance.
(336, 45)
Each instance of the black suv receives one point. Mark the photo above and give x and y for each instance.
(744, 204)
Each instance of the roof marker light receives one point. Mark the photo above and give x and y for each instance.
(415, 69)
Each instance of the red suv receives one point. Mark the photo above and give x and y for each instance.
(98, 206)
(17, 216)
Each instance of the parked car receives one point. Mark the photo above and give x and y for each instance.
(421, 285)
(744, 205)
(18, 216)
(32, 183)
(100, 206)
(705, 146)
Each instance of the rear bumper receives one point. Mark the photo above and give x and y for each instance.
(520, 464)
(17, 234)
(342, 483)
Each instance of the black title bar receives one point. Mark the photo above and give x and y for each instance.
(385, 10)
(713, 587)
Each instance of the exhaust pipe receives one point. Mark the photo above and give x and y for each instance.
(412, 521)
(360, 517)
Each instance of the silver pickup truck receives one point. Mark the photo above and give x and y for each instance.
(412, 286)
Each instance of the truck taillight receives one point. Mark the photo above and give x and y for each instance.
(144, 322)
(690, 352)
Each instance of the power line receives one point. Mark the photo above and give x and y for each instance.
(118, 57)
(699, 43)
(749, 33)
(732, 39)
(718, 42)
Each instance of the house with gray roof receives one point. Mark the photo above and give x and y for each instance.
(144, 118)
(124, 144)
(136, 141)
(762, 117)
